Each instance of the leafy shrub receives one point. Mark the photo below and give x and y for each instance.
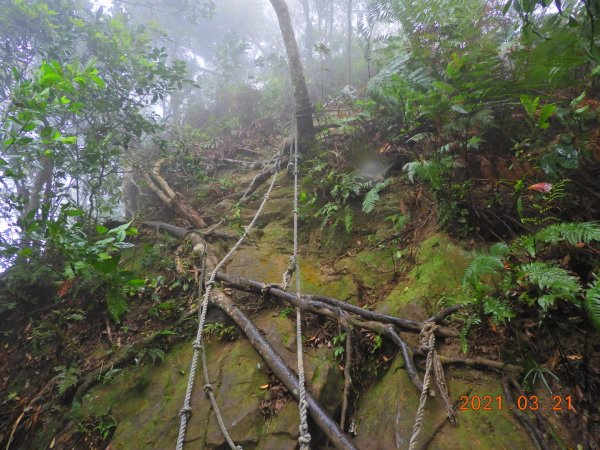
(492, 279)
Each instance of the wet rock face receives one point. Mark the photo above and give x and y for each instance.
(145, 402)
(386, 415)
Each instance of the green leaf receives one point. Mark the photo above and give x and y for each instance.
(50, 78)
(29, 127)
(506, 7)
(545, 113)
(25, 252)
(68, 140)
(136, 283)
(98, 81)
(459, 109)
(101, 229)
(73, 212)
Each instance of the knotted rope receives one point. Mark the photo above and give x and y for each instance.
(304, 437)
(198, 344)
(427, 338)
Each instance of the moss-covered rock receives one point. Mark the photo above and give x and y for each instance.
(438, 272)
(145, 401)
(386, 415)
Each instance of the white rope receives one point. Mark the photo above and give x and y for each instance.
(198, 344)
(432, 364)
(304, 437)
(427, 342)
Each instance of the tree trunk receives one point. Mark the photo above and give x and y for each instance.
(349, 46)
(308, 35)
(304, 120)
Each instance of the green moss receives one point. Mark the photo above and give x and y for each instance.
(372, 267)
(387, 412)
(438, 272)
(315, 281)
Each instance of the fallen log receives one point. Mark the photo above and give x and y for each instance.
(258, 287)
(282, 371)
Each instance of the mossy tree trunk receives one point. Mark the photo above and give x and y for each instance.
(304, 120)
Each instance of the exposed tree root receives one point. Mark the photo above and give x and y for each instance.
(536, 434)
(330, 303)
(477, 362)
(170, 198)
(347, 375)
(445, 313)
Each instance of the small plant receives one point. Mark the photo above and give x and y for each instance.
(377, 341)
(338, 345)
(66, 378)
(287, 312)
(153, 353)
(106, 426)
(109, 376)
(496, 279)
(372, 196)
(537, 372)
(592, 303)
(222, 332)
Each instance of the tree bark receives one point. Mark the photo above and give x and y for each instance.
(349, 45)
(282, 371)
(304, 110)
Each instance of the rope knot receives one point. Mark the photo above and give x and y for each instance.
(207, 388)
(197, 344)
(185, 411)
(427, 336)
(304, 437)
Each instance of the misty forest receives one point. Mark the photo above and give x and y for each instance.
(300, 224)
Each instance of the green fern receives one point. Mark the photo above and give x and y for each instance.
(554, 283)
(480, 266)
(348, 219)
(573, 233)
(592, 303)
(116, 304)
(464, 332)
(433, 171)
(372, 197)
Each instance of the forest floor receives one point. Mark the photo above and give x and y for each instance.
(48, 346)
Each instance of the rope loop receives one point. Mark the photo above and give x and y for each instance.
(185, 411)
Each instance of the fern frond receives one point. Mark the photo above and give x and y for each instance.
(499, 249)
(116, 304)
(348, 219)
(480, 266)
(592, 303)
(554, 282)
(573, 233)
(372, 196)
